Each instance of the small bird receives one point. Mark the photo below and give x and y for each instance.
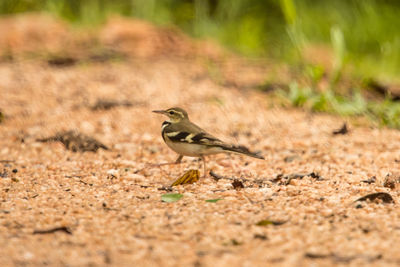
(188, 139)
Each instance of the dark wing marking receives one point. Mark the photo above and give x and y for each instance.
(180, 137)
(204, 138)
(200, 138)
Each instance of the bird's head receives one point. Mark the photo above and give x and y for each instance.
(174, 114)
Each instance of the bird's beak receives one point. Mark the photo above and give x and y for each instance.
(160, 111)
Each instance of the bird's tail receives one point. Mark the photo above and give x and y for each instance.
(242, 150)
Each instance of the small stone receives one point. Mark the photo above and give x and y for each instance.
(134, 177)
(28, 255)
(113, 172)
(391, 180)
(326, 212)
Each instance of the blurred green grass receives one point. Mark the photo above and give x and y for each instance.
(274, 28)
(371, 28)
(363, 36)
(385, 113)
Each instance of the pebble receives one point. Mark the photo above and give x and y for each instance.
(135, 177)
(113, 172)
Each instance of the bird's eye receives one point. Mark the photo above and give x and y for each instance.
(171, 112)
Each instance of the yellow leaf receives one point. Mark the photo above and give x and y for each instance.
(189, 177)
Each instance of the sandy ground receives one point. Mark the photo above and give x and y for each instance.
(64, 208)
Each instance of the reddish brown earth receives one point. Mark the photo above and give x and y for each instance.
(65, 208)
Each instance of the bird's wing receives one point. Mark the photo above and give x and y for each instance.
(191, 133)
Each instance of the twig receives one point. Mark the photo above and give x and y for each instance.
(6, 160)
(259, 182)
(215, 176)
(64, 229)
(285, 179)
(158, 165)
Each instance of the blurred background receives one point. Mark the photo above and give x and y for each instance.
(351, 47)
(370, 29)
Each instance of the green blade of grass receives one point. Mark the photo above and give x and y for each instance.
(169, 198)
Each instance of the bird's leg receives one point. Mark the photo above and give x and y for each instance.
(179, 159)
(204, 165)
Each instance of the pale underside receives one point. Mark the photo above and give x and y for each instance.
(193, 150)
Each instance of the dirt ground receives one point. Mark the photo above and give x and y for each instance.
(298, 207)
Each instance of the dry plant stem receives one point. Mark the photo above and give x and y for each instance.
(178, 161)
(152, 165)
(162, 164)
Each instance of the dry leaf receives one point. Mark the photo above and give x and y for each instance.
(237, 184)
(343, 130)
(75, 141)
(385, 197)
(189, 177)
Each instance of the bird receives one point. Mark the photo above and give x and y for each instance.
(187, 139)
